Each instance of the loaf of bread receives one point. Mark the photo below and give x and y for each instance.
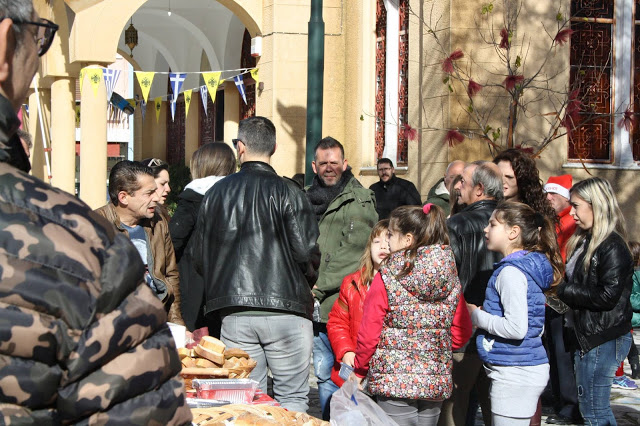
(235, 352)
(184, 352)
(212, 356)
(205, 363)
(212, 344)
(188, 362)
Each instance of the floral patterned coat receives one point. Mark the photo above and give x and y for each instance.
(410, 356)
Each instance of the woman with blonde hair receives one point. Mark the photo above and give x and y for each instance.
(597, 288)
(209, 164)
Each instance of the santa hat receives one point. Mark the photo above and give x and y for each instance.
(559, 185)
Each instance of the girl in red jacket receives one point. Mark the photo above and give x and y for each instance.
(346, 314)
(404, 345)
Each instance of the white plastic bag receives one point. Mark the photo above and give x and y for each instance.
(349, 406)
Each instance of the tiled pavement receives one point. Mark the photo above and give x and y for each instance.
(625, 403)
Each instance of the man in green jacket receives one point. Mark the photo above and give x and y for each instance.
(346, 212)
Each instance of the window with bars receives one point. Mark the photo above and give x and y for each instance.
(400, 116)
(606, 32)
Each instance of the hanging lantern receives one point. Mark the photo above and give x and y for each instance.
(131, 37)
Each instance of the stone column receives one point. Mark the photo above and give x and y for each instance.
(93, 144)
(38, 160)
(232, 101)
(63, 134)
(192, 129)
(137, 132)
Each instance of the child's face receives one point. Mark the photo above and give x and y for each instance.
(397, 241)
(379, 248)
(497, 235)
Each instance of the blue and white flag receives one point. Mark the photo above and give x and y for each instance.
(204, 95)
(110, 80)
(143, 109)
(240, 85)
(176, 80)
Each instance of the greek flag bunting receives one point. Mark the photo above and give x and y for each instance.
(240, 85)
(176, 79)
(110, 80)
(204, 95)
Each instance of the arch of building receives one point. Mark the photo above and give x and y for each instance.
(89, 36)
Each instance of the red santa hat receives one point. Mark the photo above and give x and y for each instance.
(559, 185)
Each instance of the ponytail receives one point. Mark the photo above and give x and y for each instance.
(427, 225)
(537, 233)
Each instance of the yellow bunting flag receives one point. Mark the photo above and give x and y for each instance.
(158, 102)
(187, 102)
(82, 72)
(95, 77)
(145, 80)
(132, 102)
(77, 115)
(212, 80)
(254, 75)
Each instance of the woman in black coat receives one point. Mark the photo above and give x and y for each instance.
(597, 289)
(209, 164)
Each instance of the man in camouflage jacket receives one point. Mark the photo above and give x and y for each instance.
(82, 339)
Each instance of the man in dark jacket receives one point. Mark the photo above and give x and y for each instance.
(83, 340)
(392, 191)
(481, 190)
(255, 246)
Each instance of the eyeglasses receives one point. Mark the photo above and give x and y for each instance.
(235, 143)
(46, 32)
(155, 162)
(384, 169)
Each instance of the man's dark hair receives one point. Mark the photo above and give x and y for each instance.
(385, 161)
(258, 134)
(17, 11)
(124, 177)
(328, 143)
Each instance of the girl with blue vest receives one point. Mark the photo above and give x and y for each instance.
(511, 320)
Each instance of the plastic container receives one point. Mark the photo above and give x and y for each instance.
(205, 403)
(236, 391)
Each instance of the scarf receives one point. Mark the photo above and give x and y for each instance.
(321, 195)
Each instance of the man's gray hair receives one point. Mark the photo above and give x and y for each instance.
(258, 134)
(21, 10)
(485, 174)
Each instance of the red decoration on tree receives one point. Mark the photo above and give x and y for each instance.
(454, 137)
(447, 64)
(628, 120)
(473, 88)
(410, 133)
(563, 36)
(504, 40)
(511, 81)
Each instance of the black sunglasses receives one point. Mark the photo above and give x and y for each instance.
(235, 143)
(46, 32)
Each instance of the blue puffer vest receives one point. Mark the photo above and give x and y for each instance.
(528, 351)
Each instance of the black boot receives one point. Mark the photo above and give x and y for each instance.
(635, 370)
(634, 362)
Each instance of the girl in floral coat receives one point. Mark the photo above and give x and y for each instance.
(405, 347)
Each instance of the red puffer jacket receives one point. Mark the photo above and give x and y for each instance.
(346, 315)
(344, 320)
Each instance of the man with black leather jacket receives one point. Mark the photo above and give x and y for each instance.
(255, 246)
(481, 190)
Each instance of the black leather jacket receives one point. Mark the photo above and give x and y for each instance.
(600, 298)
(473, 259)
(255, 243)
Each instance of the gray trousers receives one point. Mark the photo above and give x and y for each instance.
(281, 343)
(411, 412)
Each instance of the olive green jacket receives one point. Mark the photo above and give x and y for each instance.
(344, 231)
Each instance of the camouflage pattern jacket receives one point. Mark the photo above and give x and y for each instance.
(161, 260)
(82, 339)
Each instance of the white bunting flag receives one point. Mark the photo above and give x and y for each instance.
(110, 79)
(240, 85)
(204, 95)
(176, 79)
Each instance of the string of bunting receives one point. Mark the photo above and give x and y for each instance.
(145, 79)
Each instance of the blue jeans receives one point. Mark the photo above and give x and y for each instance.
(594, 376)
(323, 360)
(283, 344)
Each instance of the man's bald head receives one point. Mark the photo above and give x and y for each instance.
(454, 169)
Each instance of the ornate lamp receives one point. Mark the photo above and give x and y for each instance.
(131, 37)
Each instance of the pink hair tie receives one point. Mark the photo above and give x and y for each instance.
(427, 208)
